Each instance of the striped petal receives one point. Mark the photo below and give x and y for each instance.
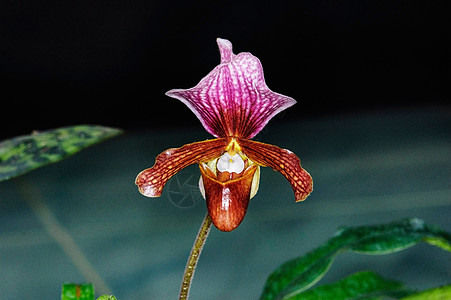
(233, 99)
(283, 161)
(151, 181)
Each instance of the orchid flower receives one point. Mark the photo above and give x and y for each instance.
(233, 103)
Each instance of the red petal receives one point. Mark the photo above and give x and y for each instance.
(151, 181)
(283, 161)
(227, 201)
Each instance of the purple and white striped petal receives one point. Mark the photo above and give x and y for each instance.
(233, 99)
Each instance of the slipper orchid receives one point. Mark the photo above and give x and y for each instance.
(233, 103)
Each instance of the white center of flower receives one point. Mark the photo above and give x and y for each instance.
(230, 163)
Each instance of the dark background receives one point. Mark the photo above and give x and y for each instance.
(110, 62)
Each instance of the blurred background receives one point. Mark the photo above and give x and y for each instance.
(372, 125)
(110, 62)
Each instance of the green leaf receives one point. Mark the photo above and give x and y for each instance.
(25, 153)
(73, 291)
(362, 285)
(107, 297)
(299, 274)
(438, 293)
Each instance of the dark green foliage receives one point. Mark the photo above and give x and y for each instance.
(294, 277)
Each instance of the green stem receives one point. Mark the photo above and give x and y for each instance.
(194, 257)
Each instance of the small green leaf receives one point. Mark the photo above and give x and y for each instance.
(299, 274)
(73, 291)
(362, 285)
(439, 293)
(25, 153)
(107, 297)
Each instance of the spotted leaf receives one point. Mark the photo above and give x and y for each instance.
(25, 153)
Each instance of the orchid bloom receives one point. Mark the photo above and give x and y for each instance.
(233, 103)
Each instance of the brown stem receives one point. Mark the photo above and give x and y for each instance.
(194, 257)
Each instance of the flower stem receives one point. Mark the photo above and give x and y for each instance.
(194, 257)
